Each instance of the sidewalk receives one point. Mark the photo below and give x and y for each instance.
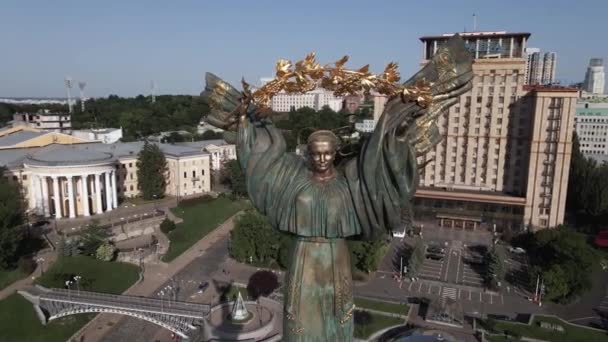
(155, 275)
(126, 209)
(49, 257)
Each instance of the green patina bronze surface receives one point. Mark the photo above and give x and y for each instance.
(365, 198)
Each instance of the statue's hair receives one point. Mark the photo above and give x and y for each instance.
(323, 135)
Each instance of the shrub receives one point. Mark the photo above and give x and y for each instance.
(167, 226)
(363, 317)
(188, 202)
(26, 265)
(262, 283)
(106, 252)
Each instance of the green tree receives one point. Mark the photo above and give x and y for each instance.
(495, 269)
(587, 184)
(11, 219)
(167, 226)
(106, 251)
(90, 239)
(366, 255)
(415, 259)
(564, 260)
(253, 239)
(233, 176)
(556, 283)
(151, 171)
(210, 135)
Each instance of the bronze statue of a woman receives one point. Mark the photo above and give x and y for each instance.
(320, 205)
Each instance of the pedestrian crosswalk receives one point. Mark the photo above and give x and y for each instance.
(449, 292)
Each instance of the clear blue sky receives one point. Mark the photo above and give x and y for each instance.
(118, 47)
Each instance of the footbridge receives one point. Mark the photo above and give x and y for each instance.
(178, 317)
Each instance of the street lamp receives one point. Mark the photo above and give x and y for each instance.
(68, 283)
(77, 280)
(161, 293)
(40, 261)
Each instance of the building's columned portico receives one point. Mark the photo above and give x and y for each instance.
(68, 187)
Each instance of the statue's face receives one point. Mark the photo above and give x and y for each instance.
(322, 154)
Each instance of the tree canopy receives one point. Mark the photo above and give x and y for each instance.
(11, 220)
(151, 170)
(233, 176)
(587, 185)
(139, 117)
(564, 260)
(254, 240)
(301, 122)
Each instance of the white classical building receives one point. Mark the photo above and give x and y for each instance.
(67, 181)
(219, 151)
(104, 135)
(366, 126)
(315, 99)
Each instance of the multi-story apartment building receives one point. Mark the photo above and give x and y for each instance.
(540, 69)
(505, 155)
(534, 66)
(592, 125)
(595, 77)
(549, 62)
(45, 120)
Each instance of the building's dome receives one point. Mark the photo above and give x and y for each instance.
(68, 155)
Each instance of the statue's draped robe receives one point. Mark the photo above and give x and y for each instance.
(365, 198)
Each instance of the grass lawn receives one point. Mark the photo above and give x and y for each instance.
(571, 333)
(18, 321)
(400, 309)
(371, 322)
(8, 277)
(199, 220)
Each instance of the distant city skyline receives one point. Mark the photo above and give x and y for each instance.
(119, 48)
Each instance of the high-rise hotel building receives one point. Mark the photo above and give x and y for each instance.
(505, 156)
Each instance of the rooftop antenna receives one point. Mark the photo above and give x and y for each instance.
(68, 85)
(81, 86)
(153, 91)
(474, 22)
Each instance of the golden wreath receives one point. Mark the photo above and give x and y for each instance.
(308, 74)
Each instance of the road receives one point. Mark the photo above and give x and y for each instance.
(200, 269)
(462, 285)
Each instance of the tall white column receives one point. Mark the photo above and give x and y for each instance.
(114, 190)
(98, 205)
(45, 196)
(71, 196)
(84, 194)
(31, 192)
(56, 197)
(106, 176)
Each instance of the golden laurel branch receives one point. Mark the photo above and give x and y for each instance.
(308, 74)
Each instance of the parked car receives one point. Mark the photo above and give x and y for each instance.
(601, 239)
(203, 286)
(517, 250)
(433, 256)
(435, 249)
(399, 234)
